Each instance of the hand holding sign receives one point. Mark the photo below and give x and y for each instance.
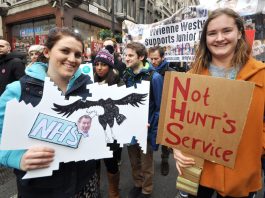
(36, 158)
(182, 161)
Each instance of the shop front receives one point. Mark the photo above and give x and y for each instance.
(31, 26)
(34, 32)
(90, 34)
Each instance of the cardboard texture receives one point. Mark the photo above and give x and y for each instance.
(190, 188)
(204, 116)
(190, 178)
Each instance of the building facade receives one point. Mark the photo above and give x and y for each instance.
(148, 11)
(27, 22)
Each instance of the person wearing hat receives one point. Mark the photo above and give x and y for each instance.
(110, 44)
(104, 73)
(34, 52)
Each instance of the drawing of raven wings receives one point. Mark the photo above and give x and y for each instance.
(133, 99)
(71, 108)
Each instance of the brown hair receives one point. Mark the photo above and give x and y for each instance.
(56, 34)
(139, 49)
(157, 48)
(203, 55)
(111, 78)
(111, 39)
(84, 116)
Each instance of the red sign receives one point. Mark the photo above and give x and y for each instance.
(250, 35)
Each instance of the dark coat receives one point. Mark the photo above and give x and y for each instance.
(119, 65)
(12, 68)
(156, 86)
(163, 67)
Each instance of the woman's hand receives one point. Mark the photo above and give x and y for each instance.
(36, 158)
(182, 161)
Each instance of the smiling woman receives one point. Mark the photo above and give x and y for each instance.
(224, 52)
(64, 59)
(60, 61)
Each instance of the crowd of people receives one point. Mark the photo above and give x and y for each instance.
(223, 51)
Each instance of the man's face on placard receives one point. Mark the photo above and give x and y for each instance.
(84, 124)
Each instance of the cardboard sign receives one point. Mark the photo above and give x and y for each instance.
(203, 115)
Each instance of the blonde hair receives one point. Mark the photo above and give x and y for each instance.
(203, 56)
(37, 48)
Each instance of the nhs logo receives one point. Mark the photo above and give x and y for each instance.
(55, 130)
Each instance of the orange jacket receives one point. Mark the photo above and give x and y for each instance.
(246, 175)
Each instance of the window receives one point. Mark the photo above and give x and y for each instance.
(119, 6)
(26, 34)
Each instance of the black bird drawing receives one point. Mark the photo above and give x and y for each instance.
(111, 110)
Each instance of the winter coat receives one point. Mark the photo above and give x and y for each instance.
(156, 86)
(71, 177)
(119, 65)
(245, 177)
(163, 67)
(12, 68)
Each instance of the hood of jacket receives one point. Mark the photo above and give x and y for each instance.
(13, 55)
(250, 69)
(38, 70)
(146, 69)
(161, 66)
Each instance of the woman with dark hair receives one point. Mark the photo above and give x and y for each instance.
(104, 71)
(61, 58)
(224, 52)
(106, 74)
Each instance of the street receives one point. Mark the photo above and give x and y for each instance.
(164, 186)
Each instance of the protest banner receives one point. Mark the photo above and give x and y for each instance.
(180, 33)
(196, 120)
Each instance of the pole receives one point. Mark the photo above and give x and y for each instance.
(112, 18)
(62, 12)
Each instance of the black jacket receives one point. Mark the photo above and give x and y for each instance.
(119, 65)
(12, 68)
(163, 67)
